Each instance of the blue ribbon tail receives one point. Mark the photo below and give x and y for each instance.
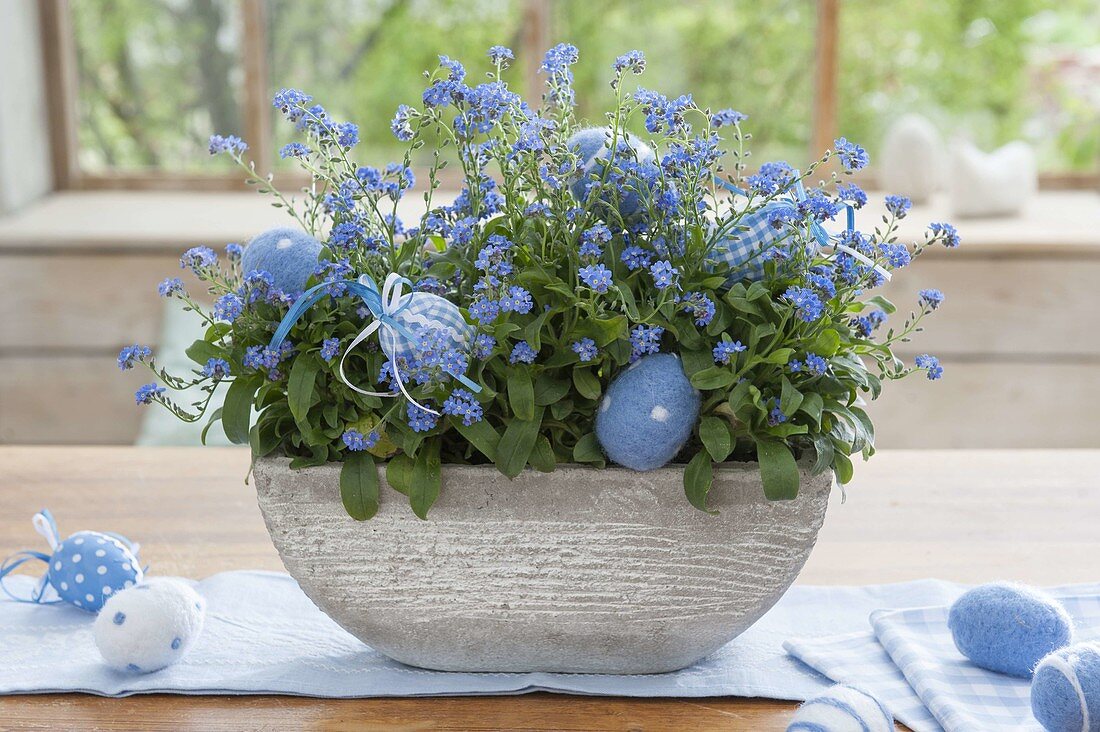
(14, 562)
(304, 302)
(730, 186)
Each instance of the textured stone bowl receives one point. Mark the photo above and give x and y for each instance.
(579, 570)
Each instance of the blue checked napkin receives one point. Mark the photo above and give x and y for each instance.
(909, 662)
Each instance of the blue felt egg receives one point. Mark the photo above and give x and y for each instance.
(1008, 628)
(419, 310)
(648, 413)
(89, 567)
(746, 251)
(592, 146)
(1065, 692)
(842, 708)
(288, 255)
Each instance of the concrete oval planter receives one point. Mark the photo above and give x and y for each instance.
(579, 570)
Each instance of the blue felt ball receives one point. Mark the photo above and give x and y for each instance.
(1065, 693)
(842, 708)
(89, 567)
(1008, 628)
(592, 146)
(648, 413)
(288, 255)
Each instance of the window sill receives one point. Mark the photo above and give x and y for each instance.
(1056, 223)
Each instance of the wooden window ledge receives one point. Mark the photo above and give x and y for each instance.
(1056, 223)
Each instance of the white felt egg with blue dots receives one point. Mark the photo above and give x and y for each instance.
(648, 413)
(89, 567)
(842, 708)
(149, 626)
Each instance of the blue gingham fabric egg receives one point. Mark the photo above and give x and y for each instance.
(425, 310)
(746, 251)
(84, 570)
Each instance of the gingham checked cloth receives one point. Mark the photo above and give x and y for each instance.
(908, 661)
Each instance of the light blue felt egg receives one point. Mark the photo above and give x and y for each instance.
(1007, 627)
(149, 626)
(842, 708)
(1065, 691)
(89, 567)
(648, 413)
(288, 255)
(746, 251)
(592, 146)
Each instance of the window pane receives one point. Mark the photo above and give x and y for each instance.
(754, 57)
(360, 59)
(155, 79)
(987, 70)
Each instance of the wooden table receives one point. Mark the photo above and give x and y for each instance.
(971, 516)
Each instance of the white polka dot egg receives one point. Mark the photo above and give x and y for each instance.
(89, 567)
(149, 626)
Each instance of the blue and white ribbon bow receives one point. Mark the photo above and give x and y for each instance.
(823, 237)
(386, 307)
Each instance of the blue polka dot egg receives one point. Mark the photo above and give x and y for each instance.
(84, 570)
(648, 413)
(288, 255)
(89, 567)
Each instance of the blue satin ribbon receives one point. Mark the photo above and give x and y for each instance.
(384, 313)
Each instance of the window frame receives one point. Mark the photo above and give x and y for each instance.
(59, 57)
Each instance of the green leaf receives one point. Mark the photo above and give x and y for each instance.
(549, 389)
(826, 344)
(789, 397)
(887, 306)
(712, 378)
(698, 478)
(778, 469)
(811, 406)
(300, 390)
(521, 393)
(533, 332)
(359, 486)
(237, 408)
(213, 418)
(516, 444)
(202, 351)
(630, 305)
(843, 467)
(480, 434)
(603, 330)
(715, 437)
(780, 356)
(588, 450)
(696, 361)
(399, 473)
(264, 437)
(426, 480)
(823, 446)
(587, 383)
(542, 457)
